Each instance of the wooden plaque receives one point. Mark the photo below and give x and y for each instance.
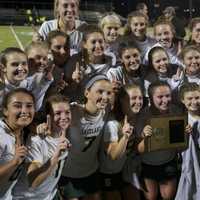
(168, 133)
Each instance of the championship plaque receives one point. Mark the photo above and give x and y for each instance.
(168, 133)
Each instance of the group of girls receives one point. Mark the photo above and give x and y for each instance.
(76, 104)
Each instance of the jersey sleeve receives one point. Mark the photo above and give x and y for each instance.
(2, 147)
(111, 131)
(38, 85)
(114, 73)
(43, 31)
(35, 150)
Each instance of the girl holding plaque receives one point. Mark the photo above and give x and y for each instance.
(159, 168)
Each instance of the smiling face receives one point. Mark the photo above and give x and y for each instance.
(196, 34)
(99, 95)
(133, 103)
(60, 50)
(164, 35)
(131, 59)
(16, 69)
(111, 31)
(61, 115)
(95, 44)
(191, 100)
(160, 62)
(38, 59)
(20, 111)
(162, 98)
(68, 10)
(192, 62)
(138, 26)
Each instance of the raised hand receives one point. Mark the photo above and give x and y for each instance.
(61, 83)
(20, 154)
(36, 35)
(127, 129)
(49, 71)
(44, 128)
(179, 75)
(49, 68)
(62, 146)
(116, 85)
(77, 75)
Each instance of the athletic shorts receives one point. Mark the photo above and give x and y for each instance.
(160, 173)
(79, 187)
(112, 182)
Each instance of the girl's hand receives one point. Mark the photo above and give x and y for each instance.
(179, 75)
(49, 72)
(20, 154)
(116, 85)
(147, 131)
(127, 129)
(63, 145)
(44, 129)
(188, 129)
(77, 75)
(36, 35)
(61, 83)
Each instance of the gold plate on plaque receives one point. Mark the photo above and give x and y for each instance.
(168, 133)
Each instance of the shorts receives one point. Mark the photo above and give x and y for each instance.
(112, 182)
(79, 187)
(160, 173)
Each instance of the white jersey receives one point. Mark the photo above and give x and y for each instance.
(75, 36)
(117, 73)
(145, 46)
(195, 124)
(85, 135)
(7, 152)
(36, 83)
(112, 55)
(41, 150)
(188, 187)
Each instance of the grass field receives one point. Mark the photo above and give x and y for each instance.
(23, 33)
(24, 36)
(7, 38)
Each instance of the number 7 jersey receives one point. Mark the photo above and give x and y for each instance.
(85, 135)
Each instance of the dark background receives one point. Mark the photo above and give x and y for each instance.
(184, 8)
